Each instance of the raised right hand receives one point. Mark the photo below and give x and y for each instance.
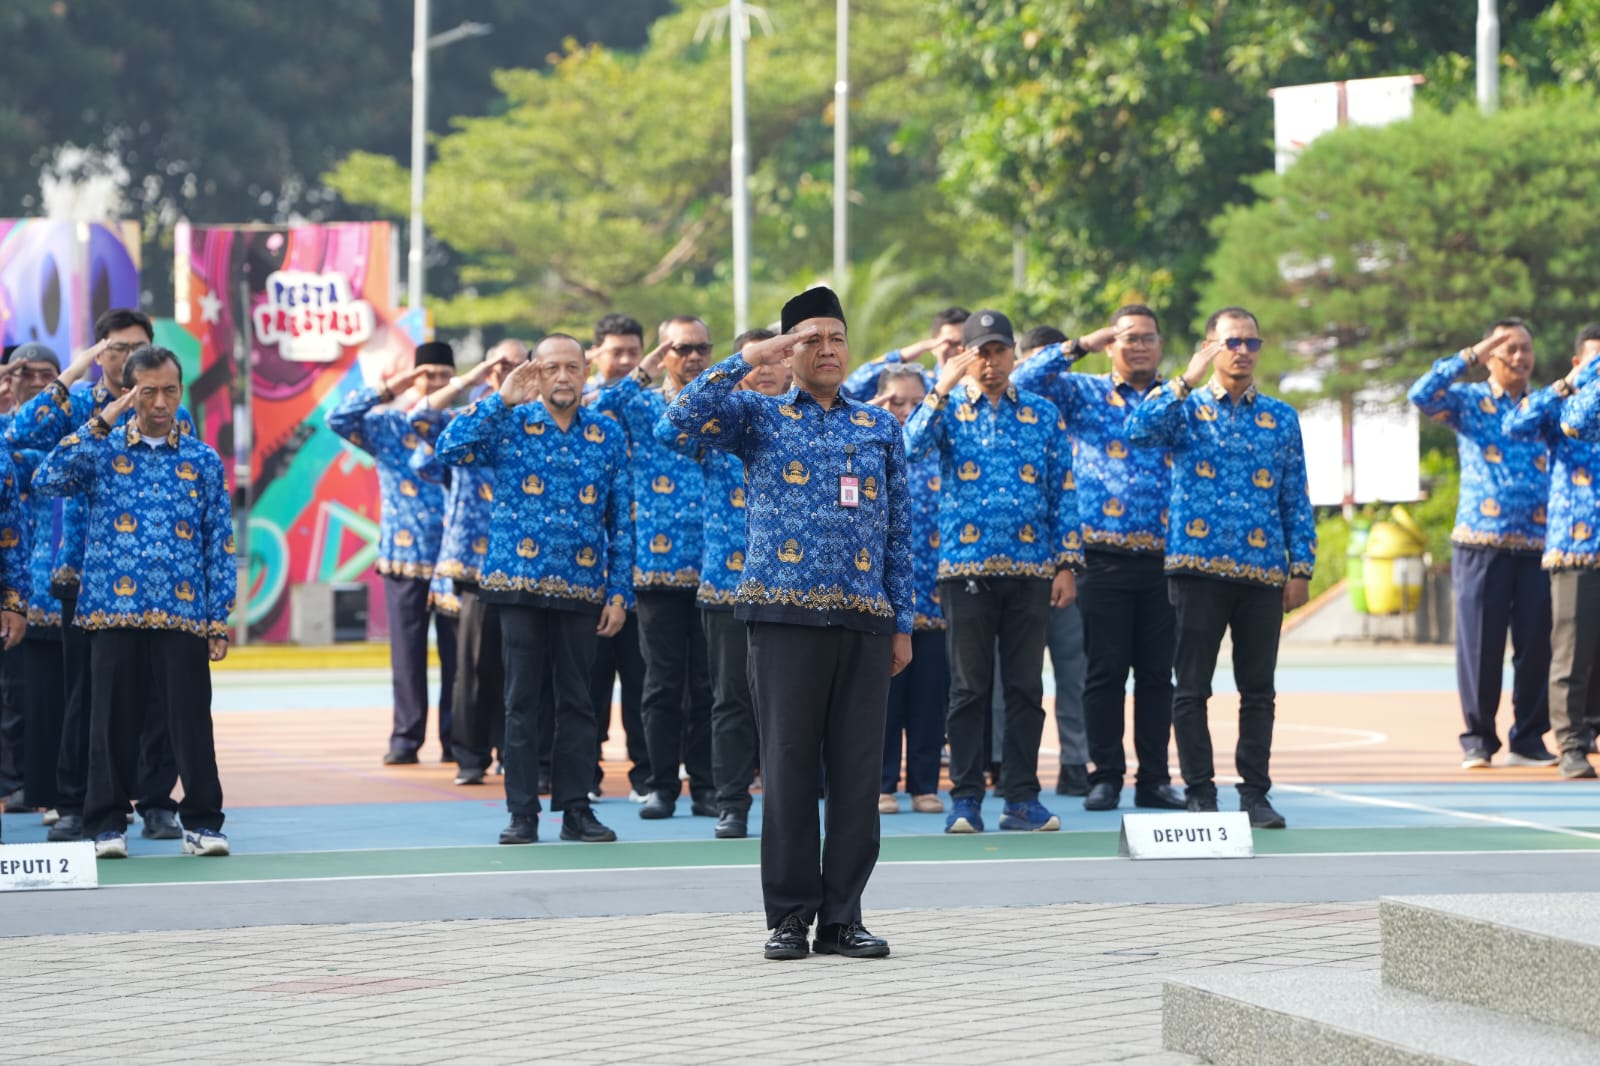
(521, 385)
(1199, 368)
(403, 381)
(954, 370)
(775, 350)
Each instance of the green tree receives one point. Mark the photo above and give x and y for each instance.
(1382, 249)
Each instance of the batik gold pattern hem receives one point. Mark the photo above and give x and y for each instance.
(1223, 567)
(1511, 542)
(687, 578)
(456, 571)
(711, 596)
(395, 568)
(996, 566)
(818, 598)
(14, 602)
(1558, 560)
(499, 581)
(922, 623)
(36, 617)
(65, 577)
(1128, 542)
(152, 619)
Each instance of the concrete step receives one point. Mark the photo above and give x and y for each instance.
(1533, 956)
(1345, 1018)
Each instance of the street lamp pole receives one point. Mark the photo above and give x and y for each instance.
(841, 146)
(737, 29)
(419, 149)
(1488, 57)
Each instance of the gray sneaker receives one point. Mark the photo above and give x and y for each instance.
(161, 824)
(1575, 764)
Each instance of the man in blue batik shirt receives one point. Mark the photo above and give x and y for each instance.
(410, 528)
(559, 567)
(1572, 554)
(668, 493)
(1241, 544)
(1008, 545)
(14, 559)
(159, 578)
(827, 592)
(1123, 495)
(1497, 541)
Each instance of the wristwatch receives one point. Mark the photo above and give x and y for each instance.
(1562, 387)
(1076, 348)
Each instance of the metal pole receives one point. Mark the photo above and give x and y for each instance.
(737, 28)
(841, 146)
(1488, 57)
(419, 150)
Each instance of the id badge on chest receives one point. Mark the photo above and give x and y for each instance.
(849, 484)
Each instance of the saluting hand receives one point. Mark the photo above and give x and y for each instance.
(956, 368)
(1199, 367)
(82, 362)
(775, 350)
(651, 363)
(1097, 341)
(12, 627)
(401, 382)
(113, 411)
(521, 385)
(900, 655)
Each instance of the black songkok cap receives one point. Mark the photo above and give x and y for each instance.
(819, 302)
(435, 353)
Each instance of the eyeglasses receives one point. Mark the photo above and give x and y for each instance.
(692, 349)
(122, 348)
(44, 373)
(1249, 344)
(1140, 340)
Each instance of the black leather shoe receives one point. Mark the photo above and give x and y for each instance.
(704, 804)
(469, 776)
(400, 758)
(524, 829)
(1102, 797)
(1161, 797)
(788, 941)
(68, 827)
(579, 823)
(1262, 816)
(659, 805)
(851, 940)
(161, 824)
(1205, 800)
(1073, 781)
(732, 825)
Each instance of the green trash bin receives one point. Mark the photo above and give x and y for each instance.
(1354, 568)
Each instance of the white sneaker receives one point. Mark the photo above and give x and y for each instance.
(50, 817)
(1476, 759)
(594, 797)
(1516, 758)
(638, 797)
(204, 842)
(111, 845)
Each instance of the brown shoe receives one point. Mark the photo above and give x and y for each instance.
(888, 803)
(927, 803)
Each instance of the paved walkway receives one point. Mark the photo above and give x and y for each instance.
(1071, 983)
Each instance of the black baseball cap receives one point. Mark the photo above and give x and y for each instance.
(981, 327)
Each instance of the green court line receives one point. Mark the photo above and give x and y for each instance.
(292, 866)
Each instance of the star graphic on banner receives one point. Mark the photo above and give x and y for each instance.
(210, 308)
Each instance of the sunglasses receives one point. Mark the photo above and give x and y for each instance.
(1249, 344)
(692, 349)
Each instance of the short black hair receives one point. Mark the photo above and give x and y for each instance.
(1511, 322)
(1039, 336)
(750, 336)
(1229, 312)
(617, 325)
(121, 318)
(950, 316)
(1140, 309)
(149, 357)
(1586, 333)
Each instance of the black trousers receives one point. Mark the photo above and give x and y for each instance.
(733, 712)
(141, 673)
(406, 604)
(44, 699)
(158, 766)
(677, 691)
(1016, 613)
(13, 724)
(1494, 590)
(1205, 609)
(918, 696)
(820, 694)
(478, 700)
(1127, 625)
(548, 649)
(1575, 654)
(619, 657)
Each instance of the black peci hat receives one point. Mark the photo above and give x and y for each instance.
(435, 353)
(819, 302)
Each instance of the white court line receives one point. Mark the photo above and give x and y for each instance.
(1359, 738)
(1405, 805)
(753, 866)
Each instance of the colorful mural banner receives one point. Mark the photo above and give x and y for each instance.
(57, 276)
(306, 312)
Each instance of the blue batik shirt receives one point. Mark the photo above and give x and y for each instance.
(160, 550)
(862, 384)
(44, 536)
(1123, 491)
(559, 531)
(412, 520)
(1580, 419)
(810, 561)
(668, 489)
(1007, 507)
(38, 425)
(924, 478)
(1572, 536)
(1240, 508)
(16, 586)
(468, 506)
(1505, 483)
(722, 565)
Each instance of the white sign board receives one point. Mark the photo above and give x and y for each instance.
(1187, 835)
(1387, 452)
(1302, 113)
(32, 866)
